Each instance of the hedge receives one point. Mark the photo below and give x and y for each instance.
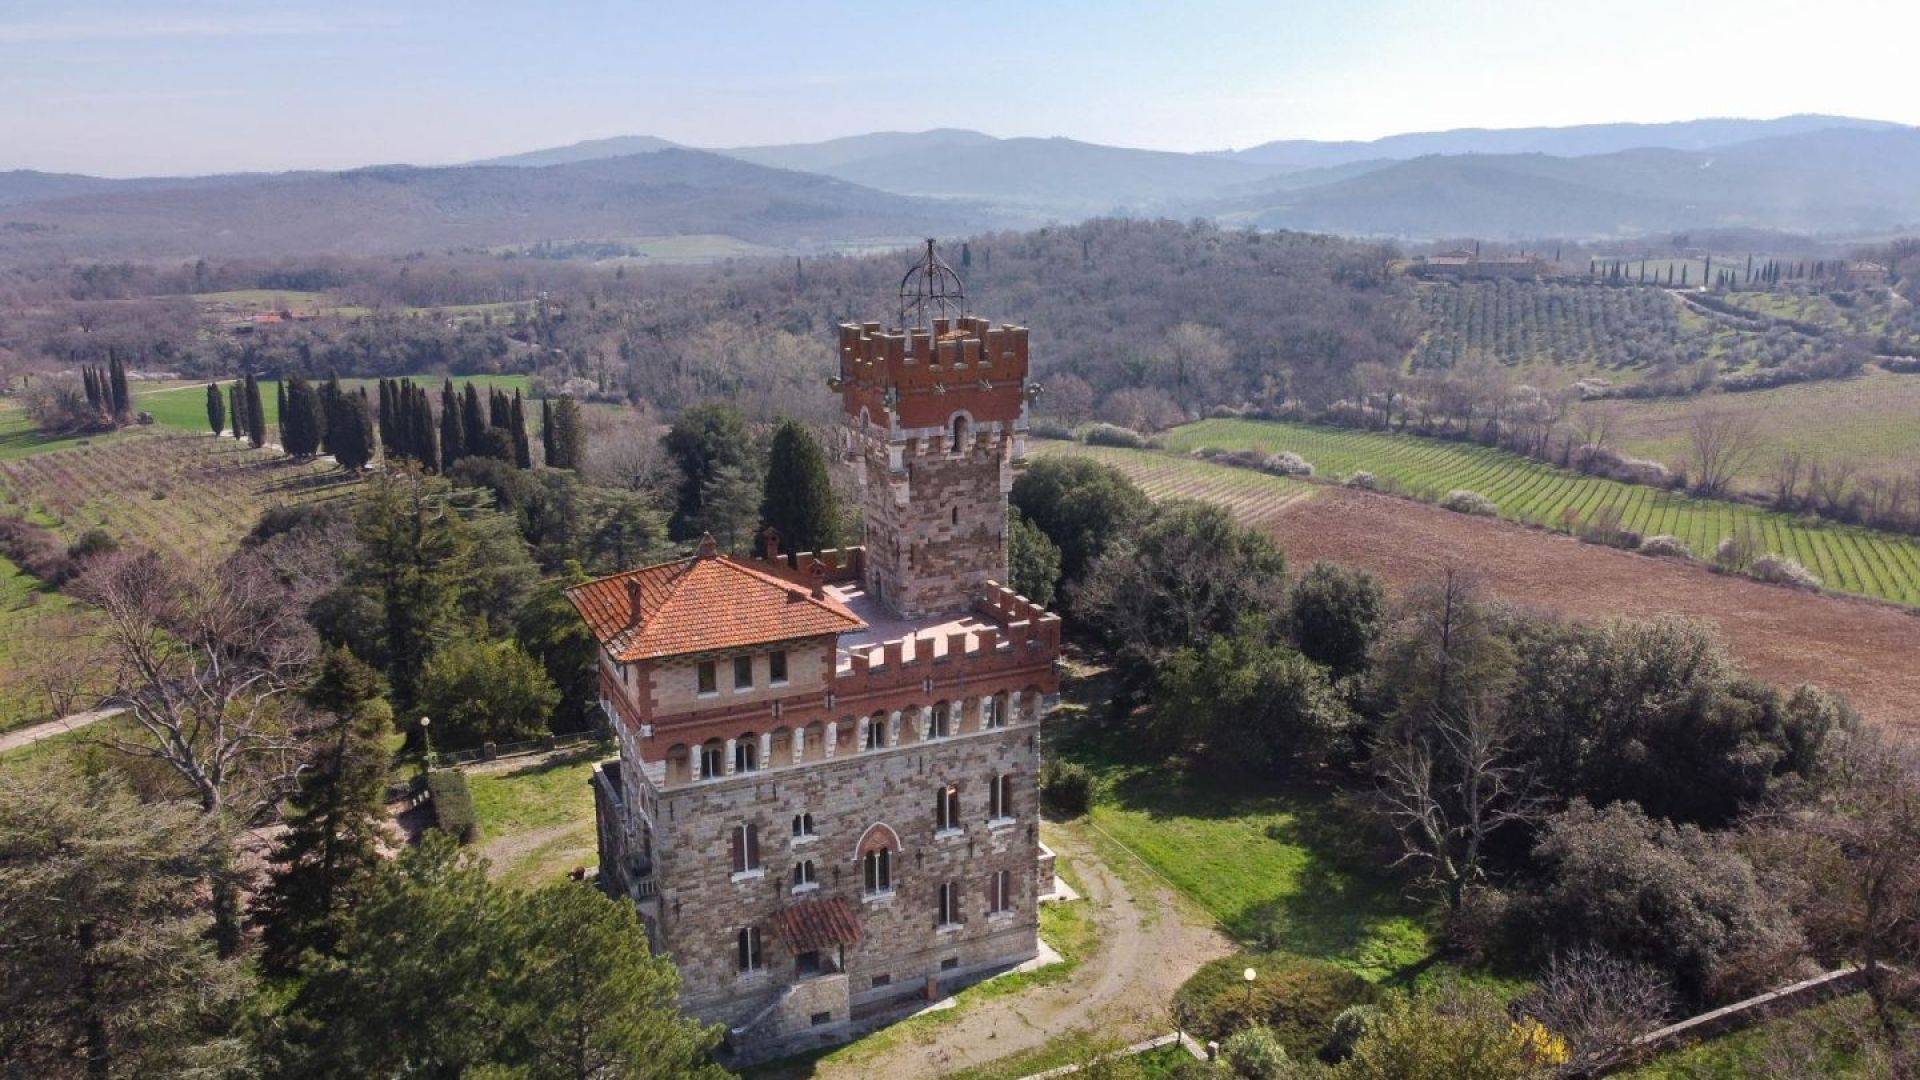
(1297, 997)
(453, 804)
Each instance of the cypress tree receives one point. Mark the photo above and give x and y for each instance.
(117, 373)
(498, 414)
(216, 410)
(546, 430)
(452, 431)
(93, 392)
(420, 437)
(302, 421)
(797, 500)
(522, 450)
(330, 399)
(569, 438)
(280, 399)
(473, 422)
(236, 409)
(386, 417)
(351, 431)
(322, 863)
(256, 414)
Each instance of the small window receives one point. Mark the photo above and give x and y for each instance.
(820, 1018)
(1000, 892)
(713, 761)
(942, 720)
(807, 963)
(956, 515)
(993, 713)
(803, 873)
(746, 754)
(777, 668)
(950, 963)
(743, 672)
(877, 733)
(877, 866)
(803, 824)
(745, 844)
(882, 980)
(946, 809)
(748, 944)
(949, 905)
(709, 681)
(1000, 797)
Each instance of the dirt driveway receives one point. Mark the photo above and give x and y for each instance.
(1149, 942)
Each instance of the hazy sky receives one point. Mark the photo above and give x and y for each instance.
(164, 86)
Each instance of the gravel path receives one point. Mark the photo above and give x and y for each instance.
(1148, 944)
(27, 736)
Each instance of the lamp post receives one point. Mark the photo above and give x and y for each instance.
(1248, 976)
(426, 743)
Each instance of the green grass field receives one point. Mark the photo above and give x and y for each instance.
(185, 407)
(19, 439)
(536, 820)
(1741, 1054)
(1249, 494)
(1871, 420)
(36, 624)
(1847, 558)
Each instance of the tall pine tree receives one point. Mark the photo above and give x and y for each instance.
(473, 422)
(323, 862)
(420, 437)
(117, 374)
(453, 430)
(797, 500)
(569, 436)
(546, 431)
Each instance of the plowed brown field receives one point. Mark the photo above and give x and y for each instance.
(1866, 650)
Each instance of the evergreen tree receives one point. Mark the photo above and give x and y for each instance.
(413, 558)
(92, 387)
(498, 410)
(569, 436)
(351, 431)
(421, 440)
(797, 500)
(280, 400)
(216, 410)
(452, 429)
(302, 422)
(256, 414)
(237, 409)
(546, 431)
(704, 440)
(117, 374)
(386, 417)
(323, 862)
(473, 422)
(330, 398)
(522, 450)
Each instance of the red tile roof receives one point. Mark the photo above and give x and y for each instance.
(817, 924)
(703, 603)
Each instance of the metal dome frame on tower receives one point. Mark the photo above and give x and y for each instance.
(931, 290)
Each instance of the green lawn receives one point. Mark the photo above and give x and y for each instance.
(185, 407)
(1743, 1053)
(36, 623)
(536, 819)
(1846, 558)
(19, 439)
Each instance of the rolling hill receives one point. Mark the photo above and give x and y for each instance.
(401, 209)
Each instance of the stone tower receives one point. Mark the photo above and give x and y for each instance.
(936, 418)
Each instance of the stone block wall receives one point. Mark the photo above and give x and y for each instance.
(937, 526)
(703, 903)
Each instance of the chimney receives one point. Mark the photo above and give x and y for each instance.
(817, 573)
(708, 549)
(633, 603)
(770, 543)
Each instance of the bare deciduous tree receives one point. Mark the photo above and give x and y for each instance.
(1595, 426)
(199, 658)
(1448, 787)
(1720, 447)
(1598, 1003)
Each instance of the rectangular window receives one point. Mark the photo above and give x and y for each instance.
(949, 905)
(777, 668)
(743, 673)
(709, 681)
(745, 845)
(990, 714)
(748, 944)
(877, 733)
(803, 824)
(942, 721)
(882, 980)
(946, 809)
(1000, 797)
(1000, 892)
(803, 873)
(746, 755)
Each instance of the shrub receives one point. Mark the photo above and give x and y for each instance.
(1451, 1033)
(453, 811)
(1254, 1053)
(1114, 435)
(92, 542)
(1780, 570)
(1364, 481)
(479, 691)
(1462, 501)
(1735, 551)
(1046, 427)
(1347, 1030)
(1293, 996)
(1901, 365)
(36, 550)
(1664, 544)
(1066, 786)
(1288, 463)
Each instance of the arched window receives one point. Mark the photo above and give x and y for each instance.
(959, 433)
(946, 808)
(803, 880)
(746, 752)
(876, 868)
(745, 844)
(813, 741)
(803, 824)
(877, 731)
(949, 905)
(713, 759)
(1000, 797)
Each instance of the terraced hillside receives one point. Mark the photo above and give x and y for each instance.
(1846, 558)
(1254, 497)
(190, 494)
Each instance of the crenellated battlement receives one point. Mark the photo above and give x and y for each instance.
(920, 378)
